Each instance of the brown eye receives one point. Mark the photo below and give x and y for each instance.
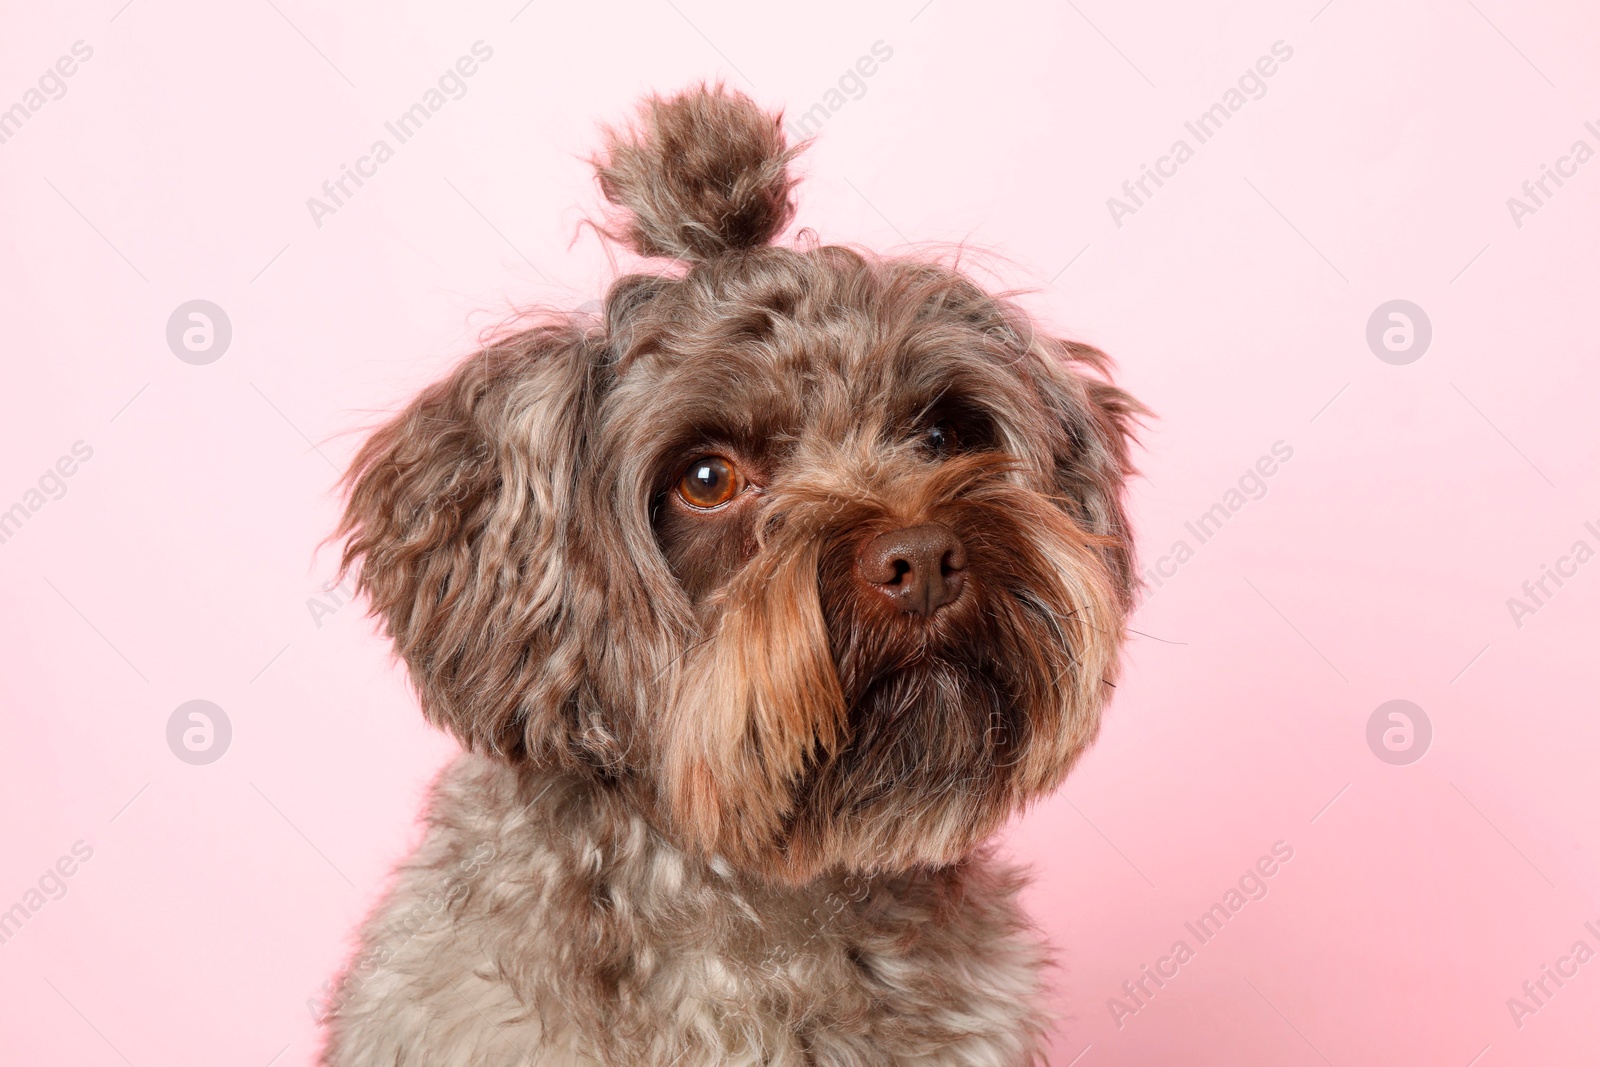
(710, 482)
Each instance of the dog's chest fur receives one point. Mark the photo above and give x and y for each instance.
(542, 923)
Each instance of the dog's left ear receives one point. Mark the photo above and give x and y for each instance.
(460, 516)
(1093, 460)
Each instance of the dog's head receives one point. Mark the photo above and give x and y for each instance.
(819, 557)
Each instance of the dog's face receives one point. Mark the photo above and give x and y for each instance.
(818, 559)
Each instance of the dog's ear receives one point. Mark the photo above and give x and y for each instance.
(700, 175)
(459, 522)
(1093, 459)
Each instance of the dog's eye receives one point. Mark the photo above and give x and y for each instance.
(710, 482)
(940, 439)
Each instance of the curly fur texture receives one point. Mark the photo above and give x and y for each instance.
(725, 803)
(543, 923)
(701, 175)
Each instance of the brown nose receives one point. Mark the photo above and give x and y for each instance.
(919, 569)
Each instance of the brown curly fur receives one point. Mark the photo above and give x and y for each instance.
(733, 801)
(703, 174)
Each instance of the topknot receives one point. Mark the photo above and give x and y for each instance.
(699, 175)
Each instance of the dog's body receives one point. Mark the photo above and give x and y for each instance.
(540, 922)
(761, 600)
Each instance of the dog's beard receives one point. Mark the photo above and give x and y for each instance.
(818, 727)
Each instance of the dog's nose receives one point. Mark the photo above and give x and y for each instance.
(919, 569)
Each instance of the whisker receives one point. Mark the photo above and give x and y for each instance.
(1153, 637)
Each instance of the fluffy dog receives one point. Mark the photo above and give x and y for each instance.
(759, 599)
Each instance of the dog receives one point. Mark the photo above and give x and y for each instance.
(758, 600)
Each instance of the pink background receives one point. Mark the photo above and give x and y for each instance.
(180, 561)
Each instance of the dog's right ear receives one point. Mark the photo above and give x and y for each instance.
(459, 524)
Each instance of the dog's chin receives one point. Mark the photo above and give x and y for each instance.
(930, 769)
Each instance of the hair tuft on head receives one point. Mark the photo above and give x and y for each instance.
(701, 174)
